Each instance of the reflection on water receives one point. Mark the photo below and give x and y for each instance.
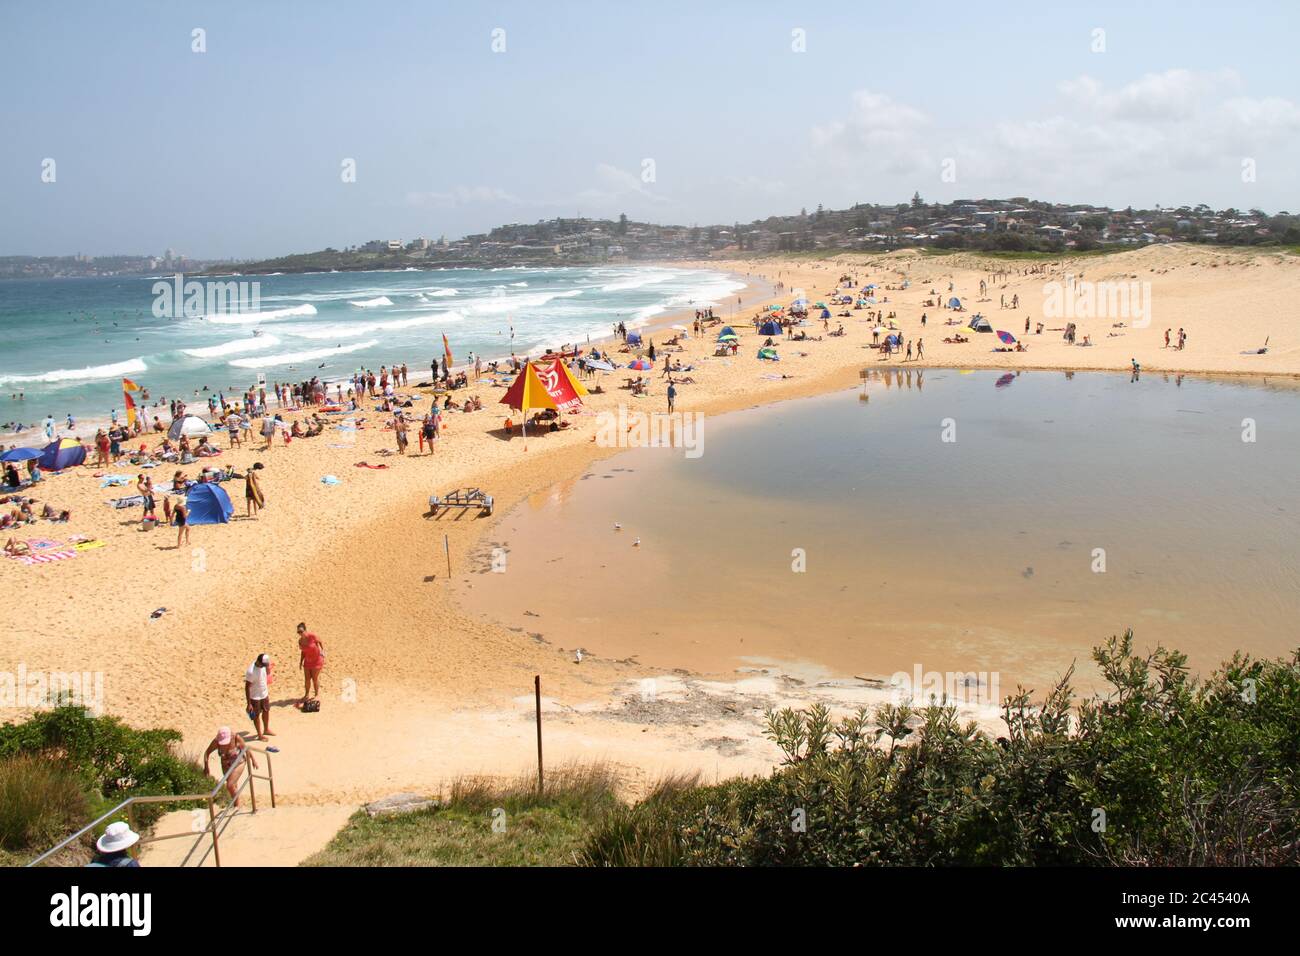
(959, 521)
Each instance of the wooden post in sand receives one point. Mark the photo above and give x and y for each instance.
(537, 691)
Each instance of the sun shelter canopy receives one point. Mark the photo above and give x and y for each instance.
(208, 503)
(63, 453)
(769, 328)
(22, 454)
(544, 385)
(954, 303)
(980, 324)
(634, 338)
(189, 425)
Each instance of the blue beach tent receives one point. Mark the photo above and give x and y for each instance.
(634, 338)
(62, 453)
(769, 328)
(208, 503)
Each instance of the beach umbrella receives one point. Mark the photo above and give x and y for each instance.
(1006, 337)
(774, 308)
(191, 426)
(820, 304)
(600, 364)
(729, 337)
(954, 303)
(21, 454)
(641, 365)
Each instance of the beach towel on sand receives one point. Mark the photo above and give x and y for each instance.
(329, 480)
(366, 464)
(46, 556)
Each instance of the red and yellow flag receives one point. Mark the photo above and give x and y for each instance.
(129, 388)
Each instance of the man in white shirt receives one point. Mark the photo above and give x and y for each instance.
(257, 694)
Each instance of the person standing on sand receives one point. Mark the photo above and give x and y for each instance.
(230, 750)
(252, 493)
(1167, 331)
(182, 519)
(428, 432)
(920, 353)
(672, 395)
(399, 429)
(311, 660)
(257, 695)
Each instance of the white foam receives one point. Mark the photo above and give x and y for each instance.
(353, 330)
(290, 358)
(636, 282)
(234, 347)
(249, 318)
(499, 304)
(372, 303)
(129, 367)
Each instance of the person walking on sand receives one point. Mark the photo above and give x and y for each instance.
(1167, 331)
(231, 751)
(428, 432)
(311, 659)
(257, 694)
(672, 395)
(920, 353)
(909, 351)
(181, 517)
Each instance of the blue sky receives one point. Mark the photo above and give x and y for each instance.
(238, 151)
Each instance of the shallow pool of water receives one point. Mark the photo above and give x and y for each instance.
(948, 521)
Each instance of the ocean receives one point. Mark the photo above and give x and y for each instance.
(66, 344)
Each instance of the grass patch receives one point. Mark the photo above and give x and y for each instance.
(40, 801)
(482, 821)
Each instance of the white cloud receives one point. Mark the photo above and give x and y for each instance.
(1179, 134)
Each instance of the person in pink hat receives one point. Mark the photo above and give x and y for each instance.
(230, 749)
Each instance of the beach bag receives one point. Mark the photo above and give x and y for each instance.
(311, 706)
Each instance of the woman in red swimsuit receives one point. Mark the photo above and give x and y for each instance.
(311, 661)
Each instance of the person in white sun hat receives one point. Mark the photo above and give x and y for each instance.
(118, 838)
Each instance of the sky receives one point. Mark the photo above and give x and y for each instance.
(291, 126)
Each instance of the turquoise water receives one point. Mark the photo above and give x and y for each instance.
(67, 343)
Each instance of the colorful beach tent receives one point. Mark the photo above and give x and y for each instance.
(769, 354)
(63, 453)
(769, 328)
(980, 324)
(559, 382)
(189, 425)
(22, 454)
(208, 503)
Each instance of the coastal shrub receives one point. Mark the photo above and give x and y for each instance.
(1158, 770)
(111, 760)
(40, 801)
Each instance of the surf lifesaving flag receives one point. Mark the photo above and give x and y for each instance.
(129, 390)
(446, 348)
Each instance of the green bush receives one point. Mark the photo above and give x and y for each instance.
(110, 759)
(40, 801)
(1160, 770)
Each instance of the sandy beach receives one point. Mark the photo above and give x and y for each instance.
(417, 691)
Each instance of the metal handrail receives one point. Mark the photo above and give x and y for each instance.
(210, 798)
